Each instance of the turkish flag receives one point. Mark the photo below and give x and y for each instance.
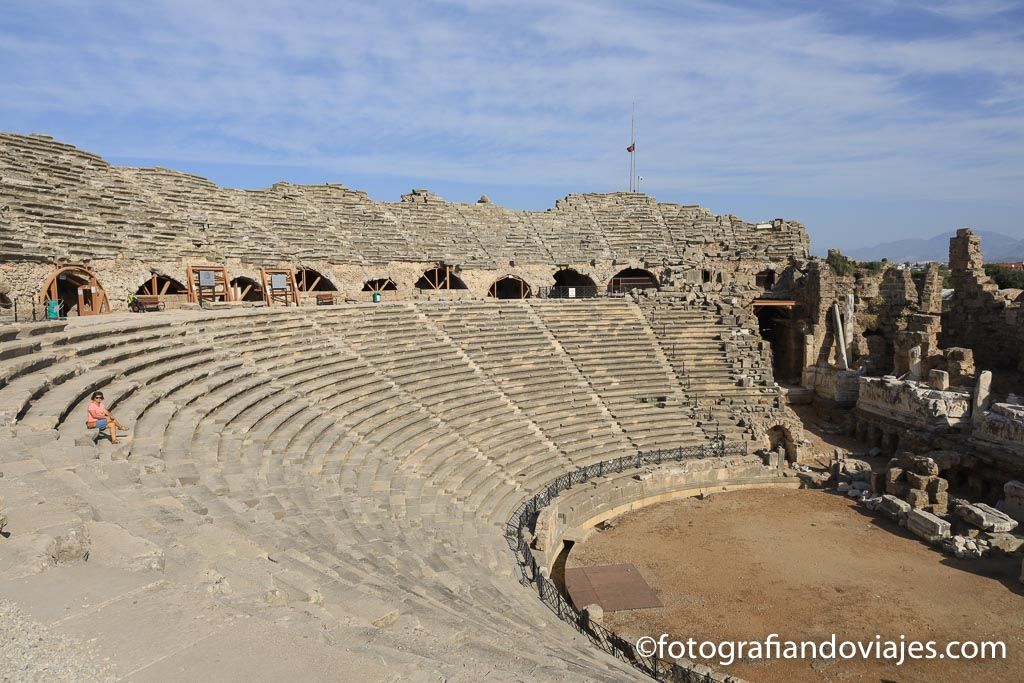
(631, 148)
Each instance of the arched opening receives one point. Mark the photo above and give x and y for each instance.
(442, 277)
(5, 302)
(571, 284)
(246, 289)
(779, 437)
(705, 276)
(765, 280)
(308, 280)
(160, 285)
(569, 277)
(77, 291)
(786, 339)
(510, 287)
(632, 278)
(383, 284)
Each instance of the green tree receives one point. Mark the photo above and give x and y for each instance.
(840, 265)
(1004, 277)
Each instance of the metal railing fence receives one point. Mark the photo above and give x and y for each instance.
(524, 516)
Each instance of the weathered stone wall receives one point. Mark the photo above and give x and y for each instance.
(1003, 426)
(61, 204)
(832, 383)
(914, 404)
(978, 316)
(603, 498)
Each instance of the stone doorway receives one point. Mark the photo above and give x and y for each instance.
(77, 290)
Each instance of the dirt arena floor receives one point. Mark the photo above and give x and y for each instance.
(806, 564)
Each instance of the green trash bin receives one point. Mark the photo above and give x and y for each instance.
(52, 310)
(376, 297)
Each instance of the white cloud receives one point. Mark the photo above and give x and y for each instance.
(538, 93)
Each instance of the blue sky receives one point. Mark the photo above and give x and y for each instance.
(868, 121)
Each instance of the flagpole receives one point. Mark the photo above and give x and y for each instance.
(632, 147)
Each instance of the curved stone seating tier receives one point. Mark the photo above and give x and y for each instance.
(614, 349)
(65, 202)
(345, 470)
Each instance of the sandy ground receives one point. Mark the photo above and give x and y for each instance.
(806, 564)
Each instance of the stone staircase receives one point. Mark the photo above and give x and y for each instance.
(719, 361)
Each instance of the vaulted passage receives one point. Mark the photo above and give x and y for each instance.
(785, 336)
(441, 277)
(308, 280)
(384, 284)
(161, 285)
(568, 277)
(510, 287)
(77, 291)
(247, 289)
(632, 278)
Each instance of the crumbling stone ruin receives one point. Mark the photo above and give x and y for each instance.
(343, 403)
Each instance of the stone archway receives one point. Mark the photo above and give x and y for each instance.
(779, 436)
(382, 284)
(78, 291)
(309, 280)
(246, 289)
(570, 277)
(510, 287)
(441, 277)
(632, 278)
(161, 285)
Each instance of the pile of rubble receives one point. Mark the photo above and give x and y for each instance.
(911, 493)
(915, 479)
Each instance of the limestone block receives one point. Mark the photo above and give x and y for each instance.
(917, 498)
(938, 379)
(925, 466)
(1013, 500)
(1006, 542)
(70, 545)
(981, 396)
(939, 501)
(918, 481)
(894, 508)
(114, 546)
(927, 526)
(986, 517)
(893, 475)
(857, 470)
(897, 488)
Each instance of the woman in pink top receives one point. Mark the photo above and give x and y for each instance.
(99, 417)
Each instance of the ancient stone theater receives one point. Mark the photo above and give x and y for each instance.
(362, 434)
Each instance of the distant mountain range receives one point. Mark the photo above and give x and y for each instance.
(996, 247)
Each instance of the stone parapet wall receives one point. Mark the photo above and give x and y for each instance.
(835, 384)
(575, 511)
(914, 404)
(1003, 426)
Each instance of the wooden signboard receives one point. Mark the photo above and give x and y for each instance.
(208, 283)
(279, 286)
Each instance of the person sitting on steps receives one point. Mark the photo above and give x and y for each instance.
(99, 417)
